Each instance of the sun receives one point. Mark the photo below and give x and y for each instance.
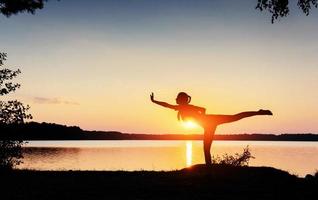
(190, 124)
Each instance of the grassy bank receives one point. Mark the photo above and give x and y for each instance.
(197, 182)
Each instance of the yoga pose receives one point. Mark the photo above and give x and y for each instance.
(208, 122)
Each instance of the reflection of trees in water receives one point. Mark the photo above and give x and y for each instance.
(49, 158)
(48, 151)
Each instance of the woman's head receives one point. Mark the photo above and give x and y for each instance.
(183, 98)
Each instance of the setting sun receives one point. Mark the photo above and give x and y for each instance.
(189, 124)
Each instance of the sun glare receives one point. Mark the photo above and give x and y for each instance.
(189, 124)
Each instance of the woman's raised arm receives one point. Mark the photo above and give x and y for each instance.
(161, 103)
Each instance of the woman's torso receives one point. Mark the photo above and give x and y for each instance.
(191, 113)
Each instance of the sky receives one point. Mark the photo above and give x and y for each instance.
(94, 63)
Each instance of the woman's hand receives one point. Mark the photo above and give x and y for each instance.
(152, 98)
(161, 103)
(265, 112)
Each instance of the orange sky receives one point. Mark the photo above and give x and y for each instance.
(97, 71)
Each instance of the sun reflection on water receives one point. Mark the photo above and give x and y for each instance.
(188, 153)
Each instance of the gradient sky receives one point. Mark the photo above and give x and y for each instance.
(94, 63)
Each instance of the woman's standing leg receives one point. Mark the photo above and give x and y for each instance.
(207, 142)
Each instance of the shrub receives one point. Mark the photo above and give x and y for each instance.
(234, 160)
(10, 153)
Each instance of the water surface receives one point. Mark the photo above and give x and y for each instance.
(298, 158)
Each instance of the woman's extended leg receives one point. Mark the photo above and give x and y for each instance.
(221, 119)
(213, 120)
(208, 138)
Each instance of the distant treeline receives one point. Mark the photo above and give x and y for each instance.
(49, 131)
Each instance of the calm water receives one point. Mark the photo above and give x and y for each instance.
(298, 158)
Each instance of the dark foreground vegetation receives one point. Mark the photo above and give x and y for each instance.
(49, 131)
(197, 182)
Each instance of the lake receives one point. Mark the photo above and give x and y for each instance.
(298, 158)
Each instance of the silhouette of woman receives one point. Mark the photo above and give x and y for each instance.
(208, 122)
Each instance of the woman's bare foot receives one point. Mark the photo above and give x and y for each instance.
(265, 112)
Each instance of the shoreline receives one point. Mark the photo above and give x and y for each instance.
(50, 131)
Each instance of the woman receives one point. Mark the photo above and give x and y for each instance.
(208, 122)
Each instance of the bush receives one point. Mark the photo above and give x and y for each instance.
(234, 160)
(10, 153)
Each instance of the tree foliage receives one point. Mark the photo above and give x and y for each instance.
(11, 112)
(5, 76)
(9, 7)
(280, 8)
(277, 8)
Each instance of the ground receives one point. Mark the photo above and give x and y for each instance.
(196, 182)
